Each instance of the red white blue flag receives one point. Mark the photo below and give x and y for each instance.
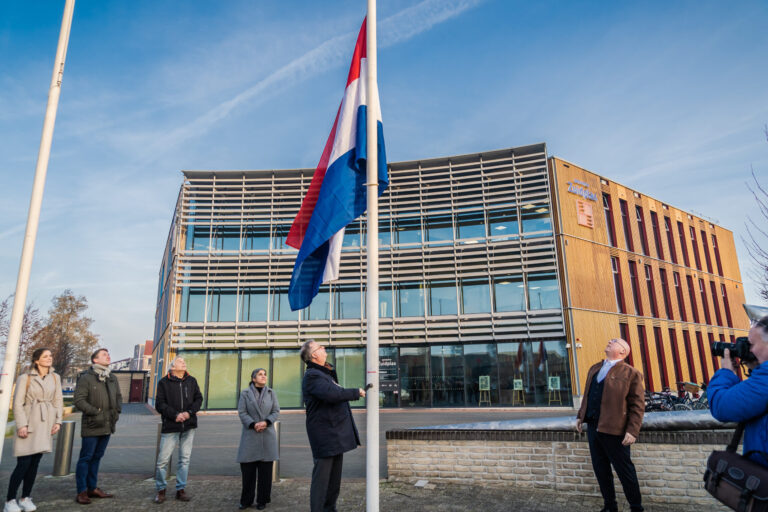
(337, 193)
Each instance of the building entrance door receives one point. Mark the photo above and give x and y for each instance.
(137, 390)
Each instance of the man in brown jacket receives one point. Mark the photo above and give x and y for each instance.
(613, 406)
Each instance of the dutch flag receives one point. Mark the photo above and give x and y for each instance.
(337, 193)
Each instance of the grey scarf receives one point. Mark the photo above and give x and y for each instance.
(102, 371)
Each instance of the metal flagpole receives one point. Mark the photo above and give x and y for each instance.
(33, 218)
(372, 288)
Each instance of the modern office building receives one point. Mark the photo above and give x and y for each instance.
(491, 294)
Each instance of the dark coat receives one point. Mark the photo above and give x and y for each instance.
(623, 403)
(330, 426)
(252, 408)
(175, 395)
(100, 403)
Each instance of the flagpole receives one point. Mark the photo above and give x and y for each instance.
(33, 218)
(372, 287)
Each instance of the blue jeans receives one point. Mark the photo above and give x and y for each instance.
(91, 452)
(168, 443)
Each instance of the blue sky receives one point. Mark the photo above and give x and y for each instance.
(669, 98)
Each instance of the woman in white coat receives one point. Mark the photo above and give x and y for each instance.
(258, 409)
(37, 409)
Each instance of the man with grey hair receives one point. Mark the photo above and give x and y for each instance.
(330, 426)
(731, 399)
(178, 399)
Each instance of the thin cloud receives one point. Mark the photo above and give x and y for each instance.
(395, 29)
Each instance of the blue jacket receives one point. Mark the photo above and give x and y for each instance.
(330, 426)
(734, 400)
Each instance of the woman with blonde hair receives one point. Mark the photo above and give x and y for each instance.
(37, 408)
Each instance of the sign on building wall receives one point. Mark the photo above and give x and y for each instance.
(485, 383)
(584, 214)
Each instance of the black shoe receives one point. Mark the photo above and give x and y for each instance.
(242, 507)
(260, 506)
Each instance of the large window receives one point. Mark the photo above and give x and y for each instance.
(347, 305)
(645, 357)
(692, 297)
(661, 354)
(726, 305)
(665, 293)
(689, 356)
(222, 384)
(717, 255)
(624, 334)
(651, 290)
(475, 296)
(198, 237)
(408, 230)
(704, 301)
(281, 307)
(503, 223)
(715, 303)
(197, 366)
(222, 305)
(447, 365)
(320, 307)
(352, 237)
(618, 288)
(414, 377)
(410, 299)
(676, 357)
(707, 257)
(253, 304)
(695, 246)
(635, 289)
(609, 219)
(670, 239)
(657, 235)
(625, 222)
(679, 294)
(256, 238)
(286, 377)
(683, 245)
(279, 235)
(226, 238)
(641, 228)
(192, 305)
(442, 298)
(702, 356)
(439, 229)
(470, 225)
(480, 361)
(385, 236)
(385, 301)
(535, 218)
(350, 368)
(509, 293)
(543, 291)
(249, 361)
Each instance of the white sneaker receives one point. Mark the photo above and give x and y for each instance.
(12, 506)
(27, 505)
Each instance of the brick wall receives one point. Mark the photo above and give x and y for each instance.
(670, 465)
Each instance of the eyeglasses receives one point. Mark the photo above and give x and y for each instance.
(318, 348)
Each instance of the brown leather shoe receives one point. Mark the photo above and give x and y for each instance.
(98, 493)
(182, 496)
(83, 498)
(160, 498)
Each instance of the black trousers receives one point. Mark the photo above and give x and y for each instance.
(262, 492)
(606, 451)
(326, 484)
(26, 471)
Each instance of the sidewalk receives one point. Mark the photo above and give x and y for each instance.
(223, 493)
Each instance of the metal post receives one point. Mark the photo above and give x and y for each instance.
(169, 470)
(33, 219)
(62, 460)
(276, 464)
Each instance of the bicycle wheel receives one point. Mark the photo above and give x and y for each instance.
(683, 407)
(700, 405)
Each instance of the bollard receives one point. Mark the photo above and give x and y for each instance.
(169, 471)
(62, 460)
(276, 464)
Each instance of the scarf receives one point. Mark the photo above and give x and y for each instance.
(102, 371)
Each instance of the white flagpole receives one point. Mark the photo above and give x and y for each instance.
(372, 288)
(33, 218)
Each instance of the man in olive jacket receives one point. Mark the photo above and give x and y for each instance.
(330, 426)
(97, 396)
(613, 407)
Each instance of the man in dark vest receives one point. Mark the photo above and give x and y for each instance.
(613, 407)
(330, 426)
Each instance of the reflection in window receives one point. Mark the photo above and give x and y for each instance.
(535, 218)
(442, 298)
(385, 238)
(193, 305)
(281, 307)
(352, 237)
(226, 238)
(222, 384)
(350, 367)
(256, 238)
(410, 299)
(543, 291)
(414, 378)
(475, 296)
(253, 305)
(470, 225)
(347, 303)
(320, 307)
(408, 230)
(439, 228)
(447, 365)
(222, 304)
(509, 293)
(385, 301)
(279, 234)
(198, 238)
(502, 223)
(286, 377)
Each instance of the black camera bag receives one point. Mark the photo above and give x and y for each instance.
(735, 480)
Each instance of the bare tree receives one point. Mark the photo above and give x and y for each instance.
(757, 233)
(67, 332)
(31, 323)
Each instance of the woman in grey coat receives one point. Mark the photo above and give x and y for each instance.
(258, 410)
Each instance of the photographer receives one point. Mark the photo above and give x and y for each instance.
(745, 401)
